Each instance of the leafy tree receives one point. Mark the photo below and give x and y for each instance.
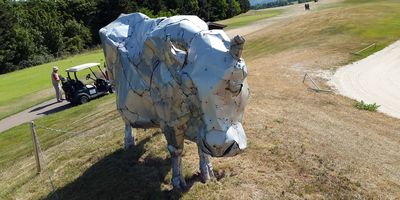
(204, 9)
(218, 9)
(155, 5)
(7, 50)
(233, 8)
(244, 5)
(27, 51)
(107, 11)
(42, 20)
(76, 37)
(188, 7)
(80, 10)
(166, 13)
(36, 31)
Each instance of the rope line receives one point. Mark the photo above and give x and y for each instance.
(42, 156)
(56, 130)
(46, 169)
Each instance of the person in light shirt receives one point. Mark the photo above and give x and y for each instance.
(55, 79)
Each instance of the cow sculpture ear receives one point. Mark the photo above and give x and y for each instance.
(236, 48)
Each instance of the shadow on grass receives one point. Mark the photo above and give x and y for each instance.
(122, 175)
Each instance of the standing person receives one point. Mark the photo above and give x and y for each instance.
(55, 79)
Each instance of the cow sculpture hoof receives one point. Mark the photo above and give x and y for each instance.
(179, 183)
(206, 173)
(206, 168)
(129, 139)
(129, 145)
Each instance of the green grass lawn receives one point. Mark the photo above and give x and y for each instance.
(250, 17)
(344, 27)
(22, 89)
(16, 143)
(89, 155)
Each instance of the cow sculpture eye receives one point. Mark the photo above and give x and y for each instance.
(235, 87)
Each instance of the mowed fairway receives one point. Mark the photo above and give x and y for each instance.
(250, 17)
(301, 144)
(22, 89)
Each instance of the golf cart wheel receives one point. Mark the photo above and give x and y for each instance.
(83, 99)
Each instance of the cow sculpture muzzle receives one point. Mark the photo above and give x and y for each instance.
(224, 143)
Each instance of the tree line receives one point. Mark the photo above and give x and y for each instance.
(33, 32)
(278, 3)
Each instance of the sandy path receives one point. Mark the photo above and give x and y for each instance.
(45, 108)
(373, 79)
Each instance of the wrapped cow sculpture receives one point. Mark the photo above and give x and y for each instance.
(175, 74)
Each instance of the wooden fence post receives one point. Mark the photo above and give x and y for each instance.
(35, 147)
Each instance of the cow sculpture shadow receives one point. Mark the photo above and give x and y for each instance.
(123, 175)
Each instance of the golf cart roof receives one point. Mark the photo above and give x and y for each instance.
(82, 67)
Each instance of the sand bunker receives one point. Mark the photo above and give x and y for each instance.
(373, 79)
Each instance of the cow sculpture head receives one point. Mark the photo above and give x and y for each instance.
(223, 94)
(218, 73)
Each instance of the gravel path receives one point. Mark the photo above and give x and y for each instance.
(45, 108)
(375, 79)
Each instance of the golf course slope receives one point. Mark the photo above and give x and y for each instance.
(302, 144)
(375, 79)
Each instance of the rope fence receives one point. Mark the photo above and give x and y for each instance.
(41, 164)
(55, 130)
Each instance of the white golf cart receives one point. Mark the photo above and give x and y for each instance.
(77, 92)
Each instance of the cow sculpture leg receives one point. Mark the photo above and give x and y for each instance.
(178, 181)
(175, 140)
(206, 168)
(129, 139)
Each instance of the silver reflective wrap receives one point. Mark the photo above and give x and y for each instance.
(237, 44)
(176, 74)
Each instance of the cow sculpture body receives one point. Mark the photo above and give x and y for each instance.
(175, 74)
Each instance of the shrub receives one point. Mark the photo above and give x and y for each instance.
(364, 106)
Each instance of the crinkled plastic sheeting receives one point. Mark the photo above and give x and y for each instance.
(176, 74)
